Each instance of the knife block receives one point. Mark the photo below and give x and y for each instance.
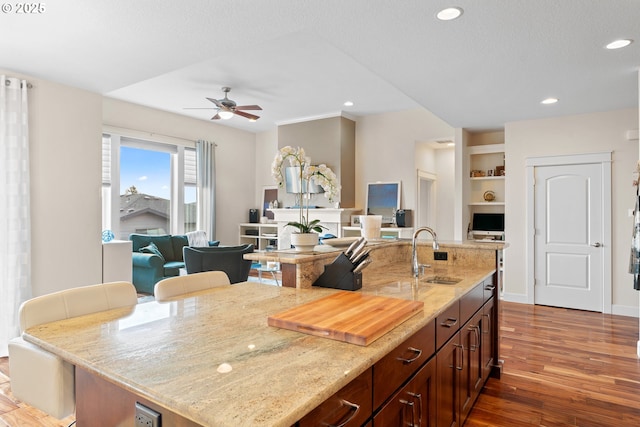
(339, 275)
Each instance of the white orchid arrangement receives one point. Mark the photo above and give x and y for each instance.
(321, 175)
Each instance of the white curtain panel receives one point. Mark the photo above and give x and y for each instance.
(15, 240)
(206, 186)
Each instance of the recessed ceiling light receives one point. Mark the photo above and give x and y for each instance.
(617, 44)
(348, 104)
(549, 101)
(449, 13)
(451, 144)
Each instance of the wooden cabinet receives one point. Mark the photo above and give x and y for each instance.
(432, 379)
(488, 337)
(448, 365)
(470, 381)
(447, 324)
(396, 367)
(413, 405)
(349, 407)
(466, 359)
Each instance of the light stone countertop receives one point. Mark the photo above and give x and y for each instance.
(170, 352)
(328, 252)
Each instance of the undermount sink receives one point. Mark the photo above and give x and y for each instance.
(441, 280)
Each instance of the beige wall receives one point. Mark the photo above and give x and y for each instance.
(266, 147)
(386, 149)
(65, 124)
(589, 133)
(330, 141)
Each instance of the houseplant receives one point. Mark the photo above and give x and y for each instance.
(306, 235)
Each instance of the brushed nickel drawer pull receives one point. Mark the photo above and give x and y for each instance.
(418, 396)
(413, 415)
(417, 352)
(450, 322)
(353, 410)
(488, 331)
(461, 367)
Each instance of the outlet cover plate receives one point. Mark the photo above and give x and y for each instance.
(440, 256)
(146, 417)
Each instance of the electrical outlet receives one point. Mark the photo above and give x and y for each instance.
(440, 256)
(146, 417)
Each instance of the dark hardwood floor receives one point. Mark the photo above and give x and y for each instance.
(561, 368)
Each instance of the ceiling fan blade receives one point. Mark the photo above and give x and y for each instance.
(248, 107)
(247, 115)
(215, 101)
(216, 117)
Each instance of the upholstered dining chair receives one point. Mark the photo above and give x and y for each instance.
(42, 379)
(229, 259)
(180, 285)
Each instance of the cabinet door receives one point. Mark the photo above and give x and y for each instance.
(349, 407)
(449, 363)
(471, 373)
(415, 404)
(488, 337)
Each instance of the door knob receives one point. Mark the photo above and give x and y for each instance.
(596, 244)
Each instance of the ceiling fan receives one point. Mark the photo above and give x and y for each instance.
(227, 108)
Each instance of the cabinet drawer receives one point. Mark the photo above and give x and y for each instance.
(489, 288)
(397, 366)
(350, 406)
(447, 324)
(471, 302)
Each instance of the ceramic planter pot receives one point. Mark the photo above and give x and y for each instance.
(304, 242)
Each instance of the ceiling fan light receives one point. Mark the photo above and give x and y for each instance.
(225, 115)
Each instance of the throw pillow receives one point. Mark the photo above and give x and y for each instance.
(152, 249)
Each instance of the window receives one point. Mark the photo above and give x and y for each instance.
(156, 187)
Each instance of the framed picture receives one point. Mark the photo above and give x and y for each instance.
(269, 194)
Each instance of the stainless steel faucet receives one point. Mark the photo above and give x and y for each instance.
(416, 266)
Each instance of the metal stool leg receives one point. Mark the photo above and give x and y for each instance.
(273, 273)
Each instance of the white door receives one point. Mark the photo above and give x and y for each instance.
(569, 235)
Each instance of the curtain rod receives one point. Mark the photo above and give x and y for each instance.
(139, 133)
(7, 82)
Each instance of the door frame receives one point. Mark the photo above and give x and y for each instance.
(602, 158)
(422, 177)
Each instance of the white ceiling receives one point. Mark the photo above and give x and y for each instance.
(301, 59)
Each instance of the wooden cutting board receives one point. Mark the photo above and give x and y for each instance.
(347, 316)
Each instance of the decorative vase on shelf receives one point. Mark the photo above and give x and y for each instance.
(304, 242)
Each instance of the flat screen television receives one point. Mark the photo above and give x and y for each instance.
(488, 223)
(383, 198)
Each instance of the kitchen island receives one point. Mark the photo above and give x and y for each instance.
(211, 359)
